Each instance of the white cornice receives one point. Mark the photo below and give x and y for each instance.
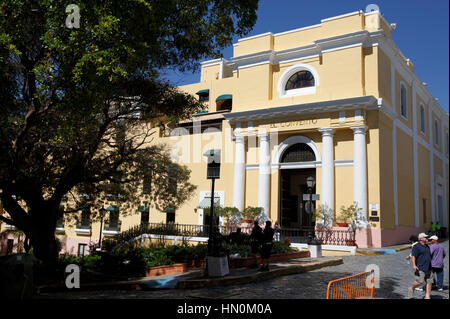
(342, 16)
(360, 38)
(213, 62)
(362, 102)
(255, 36)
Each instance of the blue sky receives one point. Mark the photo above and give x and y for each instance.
(422, 32)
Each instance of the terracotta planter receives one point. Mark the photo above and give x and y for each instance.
(350, 242)
(342, 224)
(168, 269)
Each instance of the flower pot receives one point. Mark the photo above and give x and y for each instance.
(349, 242)
(342, 224)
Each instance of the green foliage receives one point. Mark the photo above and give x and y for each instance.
(87, 263)
(350, 213)
(68, 96)
(227, 212)
(282, 248)
(252, 212)
(324, 215)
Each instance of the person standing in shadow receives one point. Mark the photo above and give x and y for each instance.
(255, 242)
(266, 246)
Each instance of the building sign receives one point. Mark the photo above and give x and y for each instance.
(293, 123)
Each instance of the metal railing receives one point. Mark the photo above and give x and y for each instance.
(326, 236)
(359, 286)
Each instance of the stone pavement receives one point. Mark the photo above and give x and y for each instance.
(195, 278)
(393, 279)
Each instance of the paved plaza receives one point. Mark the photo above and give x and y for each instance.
(395, 276)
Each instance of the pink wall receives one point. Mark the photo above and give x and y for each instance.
(377, 238)
(70, 245)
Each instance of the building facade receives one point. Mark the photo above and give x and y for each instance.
(337, 101)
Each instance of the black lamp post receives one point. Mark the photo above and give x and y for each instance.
(102, 214)
(213, 172)
(310, 182)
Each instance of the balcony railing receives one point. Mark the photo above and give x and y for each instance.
(327, 236)
(112, 228)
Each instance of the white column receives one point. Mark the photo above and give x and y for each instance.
(264, 176)
(360, 173)
(327, 192)
(239, 173)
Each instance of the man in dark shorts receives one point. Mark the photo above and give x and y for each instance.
(266, 246)
(421, 264)
(255, 242)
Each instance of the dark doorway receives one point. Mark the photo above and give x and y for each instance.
(207, 218)
(145, 217)
(292, 206)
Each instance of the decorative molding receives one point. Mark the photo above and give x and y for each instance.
(362, 102)
(327, 131)
(294, 140)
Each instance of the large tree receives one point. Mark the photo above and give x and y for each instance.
(77, 105)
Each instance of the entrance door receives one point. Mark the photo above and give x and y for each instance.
(292, 206)
(293, 185)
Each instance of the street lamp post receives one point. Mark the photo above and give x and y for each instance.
(102, 214)
(310, 182)
(213, 172)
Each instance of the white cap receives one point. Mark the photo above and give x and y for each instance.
(434, 237)
(422, 235)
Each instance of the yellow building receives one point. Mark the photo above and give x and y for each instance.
(337, 101)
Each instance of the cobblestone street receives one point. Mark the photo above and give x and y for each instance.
(395, 276)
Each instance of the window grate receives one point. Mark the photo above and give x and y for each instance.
(299, 152)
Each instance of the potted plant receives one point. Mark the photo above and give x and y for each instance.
(251, 213)
(347, 214)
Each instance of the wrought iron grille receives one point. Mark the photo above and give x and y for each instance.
(327, 236)
(299, 152)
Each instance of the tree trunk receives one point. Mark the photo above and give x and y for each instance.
(42, 237)
(44, 245)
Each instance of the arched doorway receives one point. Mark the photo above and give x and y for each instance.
(297, 162)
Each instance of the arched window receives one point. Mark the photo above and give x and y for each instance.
(300, 80)
(403, 101)
(299, 152)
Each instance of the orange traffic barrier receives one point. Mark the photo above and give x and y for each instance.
(359, 286)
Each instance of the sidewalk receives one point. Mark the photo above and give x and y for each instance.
(195, 277)
(387, 250)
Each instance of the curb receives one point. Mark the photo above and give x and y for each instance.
(239, 280)
(142, 284)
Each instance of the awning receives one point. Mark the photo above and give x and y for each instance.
(112, 208)
(168, 210)
(143, 209)
(224, 97)
(206, 202)
(203, 92)
(202, 112)
(211, 153)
